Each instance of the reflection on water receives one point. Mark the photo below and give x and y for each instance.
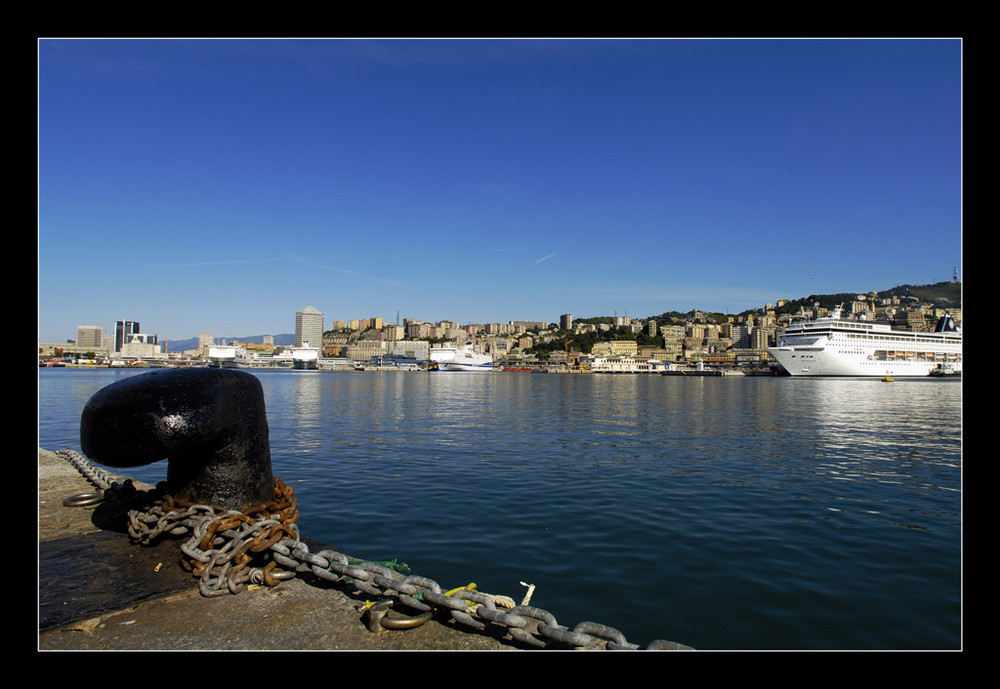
(750, 512)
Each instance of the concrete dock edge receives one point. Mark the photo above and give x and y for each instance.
(99, 591)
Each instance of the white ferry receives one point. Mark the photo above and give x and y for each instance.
(438, 354)
(305, 357)
(834, 346)
(466, 359)
(228, 356)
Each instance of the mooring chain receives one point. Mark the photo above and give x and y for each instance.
(223, 544)
(226, 550)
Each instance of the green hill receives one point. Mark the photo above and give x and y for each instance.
(942, 294)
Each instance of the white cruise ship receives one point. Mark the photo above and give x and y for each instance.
(305, 357)
(228, 356)
(834, 346)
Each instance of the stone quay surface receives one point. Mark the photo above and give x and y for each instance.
(98, 591)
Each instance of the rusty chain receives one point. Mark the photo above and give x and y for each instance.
(228, 550)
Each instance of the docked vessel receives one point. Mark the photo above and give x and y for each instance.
(465, 359)
(835, 346)
(305, 358)
(228, 356)
(439, 355)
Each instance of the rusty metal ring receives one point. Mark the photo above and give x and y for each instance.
(378, 618)
(83, 499)
(405, 622)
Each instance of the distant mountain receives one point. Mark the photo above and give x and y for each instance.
(283, 340)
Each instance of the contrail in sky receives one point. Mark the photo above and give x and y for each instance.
(543, 258)
(213, 263)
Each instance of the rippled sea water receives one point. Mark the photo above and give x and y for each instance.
(721, 513)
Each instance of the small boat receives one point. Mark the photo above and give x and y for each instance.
(944, 370)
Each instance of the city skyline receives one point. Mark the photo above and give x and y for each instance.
(222, 185)
(362, 323)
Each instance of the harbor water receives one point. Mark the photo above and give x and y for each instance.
(721, 513)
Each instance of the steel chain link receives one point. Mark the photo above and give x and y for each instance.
(228, 550)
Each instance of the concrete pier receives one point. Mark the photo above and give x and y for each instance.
(99, 591)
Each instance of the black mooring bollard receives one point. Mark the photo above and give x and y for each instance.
(209, 424)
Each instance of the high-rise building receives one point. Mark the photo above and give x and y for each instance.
(123, 329)
(309, 327)
(566, 321)
(90, 336)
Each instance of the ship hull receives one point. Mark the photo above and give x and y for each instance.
(820, 362)
(305, 358)
(227, 363)
(458, 366)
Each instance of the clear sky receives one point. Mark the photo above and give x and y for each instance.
(222, 185)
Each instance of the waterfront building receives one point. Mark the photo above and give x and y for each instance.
(394, 361)
(123, 329)
(92, 336)
(141, 346)
(364, 350)
(622, 364)
(131, 343)
(413, 349)
(309, 327)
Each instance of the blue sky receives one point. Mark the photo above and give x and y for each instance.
(222, 185)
